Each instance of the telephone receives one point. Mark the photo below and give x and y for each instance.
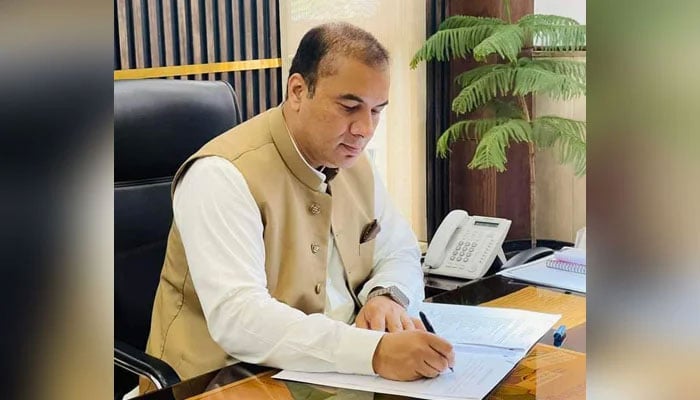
(464, 246)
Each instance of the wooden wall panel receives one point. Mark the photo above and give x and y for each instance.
(168, 32)
(197, 34)
(437, 120)
(137, 25)
(183, 32)
(487, 192)
(154, 32)
(122, 34)
(560, 195)
(210, 24)
(273, 76)
(161, 33)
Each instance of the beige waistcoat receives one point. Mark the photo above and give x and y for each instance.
(298, 217)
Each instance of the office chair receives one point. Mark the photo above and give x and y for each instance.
(157, 124)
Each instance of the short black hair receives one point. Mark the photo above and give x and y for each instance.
(321, 45)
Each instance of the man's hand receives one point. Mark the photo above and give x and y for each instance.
(410, 355)
(381, 313)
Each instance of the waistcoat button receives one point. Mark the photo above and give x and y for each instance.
(315, 248)
(314, 208)
(318, 288)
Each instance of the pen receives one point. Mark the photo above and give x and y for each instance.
(429, 327)
(559, 335)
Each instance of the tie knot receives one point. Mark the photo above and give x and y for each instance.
(330, 173)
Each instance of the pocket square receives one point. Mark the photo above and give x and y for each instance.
(370, 231)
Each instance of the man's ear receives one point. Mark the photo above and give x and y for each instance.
(296, 89)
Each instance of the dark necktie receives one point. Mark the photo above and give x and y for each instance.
(330, 174)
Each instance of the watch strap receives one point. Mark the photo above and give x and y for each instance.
(392, 292)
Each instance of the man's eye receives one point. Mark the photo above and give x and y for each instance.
(349, 108)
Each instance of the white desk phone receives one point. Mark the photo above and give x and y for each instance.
(464, 246)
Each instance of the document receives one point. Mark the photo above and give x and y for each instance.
(537, 272)
(488, 343)
(504, 328)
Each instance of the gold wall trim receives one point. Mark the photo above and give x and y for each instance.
(181, 70)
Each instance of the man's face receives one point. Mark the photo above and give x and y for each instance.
(333, 127)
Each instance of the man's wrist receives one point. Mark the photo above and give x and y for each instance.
(356, 349)
(392, 292)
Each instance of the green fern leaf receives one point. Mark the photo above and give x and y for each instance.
(466, 21)
(488, 85)
(491, 150)
(559, 38)
(452, 43)
(531, 77)
(506, 41)
(571, 68)
(503, 108)
(468, 77)
(553, 32)
(568, 135)
(465, 130)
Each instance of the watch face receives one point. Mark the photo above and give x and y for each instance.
(397, 296)
(393, 293)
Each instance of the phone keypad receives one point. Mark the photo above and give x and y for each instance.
(464, 255)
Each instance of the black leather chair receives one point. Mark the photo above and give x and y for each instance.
(157, 125)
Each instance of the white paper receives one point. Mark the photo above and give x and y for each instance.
(488, 343)
(474, 377)
(537, 272)
(499, 327)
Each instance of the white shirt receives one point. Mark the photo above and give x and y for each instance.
(222, 233)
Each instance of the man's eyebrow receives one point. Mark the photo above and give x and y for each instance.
(350, 96)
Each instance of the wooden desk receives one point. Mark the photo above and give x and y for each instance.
(547, 372)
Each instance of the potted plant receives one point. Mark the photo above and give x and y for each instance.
(492, 98)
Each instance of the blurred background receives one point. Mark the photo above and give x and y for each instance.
(643, 191)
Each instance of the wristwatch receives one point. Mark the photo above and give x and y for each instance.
(392, 292)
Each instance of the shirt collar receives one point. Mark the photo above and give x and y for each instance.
(325, 174)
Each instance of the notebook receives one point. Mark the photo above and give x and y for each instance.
(569, 259)
(540, 273)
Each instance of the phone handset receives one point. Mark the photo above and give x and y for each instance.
(443, 238)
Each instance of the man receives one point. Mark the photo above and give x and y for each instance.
(281, 232)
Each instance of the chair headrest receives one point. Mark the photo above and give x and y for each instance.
(158, 123)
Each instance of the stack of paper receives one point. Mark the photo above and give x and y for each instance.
(488, 343)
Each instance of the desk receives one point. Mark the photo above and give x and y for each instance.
(547, 372)
(436, 284)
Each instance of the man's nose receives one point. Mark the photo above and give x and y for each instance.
(363, 126)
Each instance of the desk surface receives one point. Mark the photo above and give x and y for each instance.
(547, 372)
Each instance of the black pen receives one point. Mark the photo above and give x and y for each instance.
(429, 327)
